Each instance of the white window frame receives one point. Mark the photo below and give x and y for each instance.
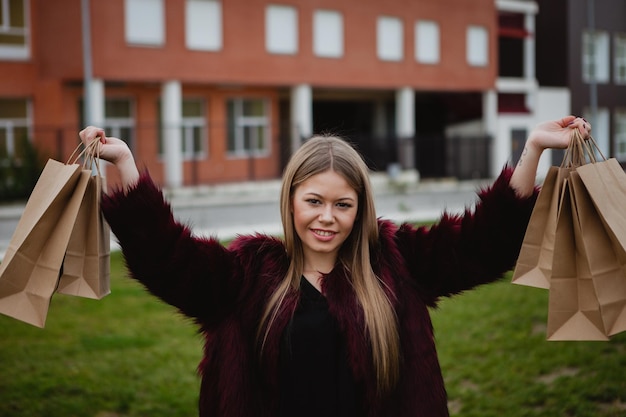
(389, 38)
(595, 56)
(281, 29)
(477, 46)
(190, 124)
(619, 57)
(203, 25)
(328, 35)
(11, 52)
(241, 122)
(113, 125)
(427, 42)
(10, 124)
(144, 22)
(620, 133)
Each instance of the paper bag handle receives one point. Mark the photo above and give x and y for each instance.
(90, 154)
(580, 151)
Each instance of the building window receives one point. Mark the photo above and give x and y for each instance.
(601, 122)
(14, 123)
(427, 44)
(620, 134)
(595, 57)
(119, 120)
(248, 127)
(14, 44)
(328, 34)
(203, 25)
(477, 46)
(144, 22)
(389, 39)
(620, 58)
(281, 30)
(193, 130)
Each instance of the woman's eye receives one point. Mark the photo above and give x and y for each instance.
(344, 205)
(313, 201)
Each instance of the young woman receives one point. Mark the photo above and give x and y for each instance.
(333, 319)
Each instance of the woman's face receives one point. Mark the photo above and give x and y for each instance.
(324, 210)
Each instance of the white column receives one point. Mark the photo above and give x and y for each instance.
(405, 126)
(529, 47)
(172, 116)
(405, 112)
(94, 115)
(490, 121)
(301, 114)
(529, 61)
(96, 102)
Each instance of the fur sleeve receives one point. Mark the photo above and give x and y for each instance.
(463, 251)
(196, 275)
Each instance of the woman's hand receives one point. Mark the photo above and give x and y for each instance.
(555, 134)
(115, 151)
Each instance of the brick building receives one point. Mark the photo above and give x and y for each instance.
(209, 91)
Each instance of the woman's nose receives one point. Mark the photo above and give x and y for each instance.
(326, 215)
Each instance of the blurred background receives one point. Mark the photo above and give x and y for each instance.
(210, 92)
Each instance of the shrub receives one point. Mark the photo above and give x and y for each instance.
(19, 172)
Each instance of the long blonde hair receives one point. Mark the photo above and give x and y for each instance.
(317, 155)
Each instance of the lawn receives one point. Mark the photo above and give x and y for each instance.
(131, 355)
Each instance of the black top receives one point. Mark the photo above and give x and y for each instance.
(315, 377)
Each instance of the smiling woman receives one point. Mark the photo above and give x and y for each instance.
(354, 337)
(324, 209)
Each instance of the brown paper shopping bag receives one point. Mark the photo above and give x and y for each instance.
(606, 259)
(534, 263)
(30, 269)
(606, 183)
(535, 260)
(86, 267)
(574, 311)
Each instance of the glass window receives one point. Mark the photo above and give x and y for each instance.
(193, 130)
(620, 134)
(119, 120)
(203, 25)
(427, 43)
(248, 127)
(477, 46)
(389, 39)
(601, 122)
(595, 57)
(620, 58)
(14, 29)
(144, 22)
(281, 29)
(328, 33)
(14, 126)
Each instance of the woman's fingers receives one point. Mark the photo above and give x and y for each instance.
(91, 133)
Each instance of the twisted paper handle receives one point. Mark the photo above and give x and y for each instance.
(89, 153)
(581, 151)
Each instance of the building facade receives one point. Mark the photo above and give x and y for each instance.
(209, 91)
(582, 47)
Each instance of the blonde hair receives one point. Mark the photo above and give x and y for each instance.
(320, 154)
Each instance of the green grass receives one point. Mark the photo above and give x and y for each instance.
(131, 355)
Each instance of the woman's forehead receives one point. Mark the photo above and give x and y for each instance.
(326, 183)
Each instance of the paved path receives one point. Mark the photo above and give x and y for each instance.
(227, 210)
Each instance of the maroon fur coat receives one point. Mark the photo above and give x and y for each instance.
(225, 290)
